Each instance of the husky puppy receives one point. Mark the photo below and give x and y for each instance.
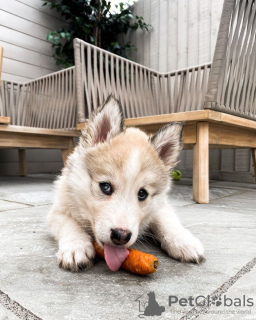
(115, 187)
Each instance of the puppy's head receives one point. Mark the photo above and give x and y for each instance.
(122, 175)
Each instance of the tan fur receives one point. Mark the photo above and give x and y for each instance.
(111, 160)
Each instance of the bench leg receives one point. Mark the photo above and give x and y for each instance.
(254, 162)
(201, 164)
(66, 152)
(22, 162)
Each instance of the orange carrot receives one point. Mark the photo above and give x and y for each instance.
(137, 261)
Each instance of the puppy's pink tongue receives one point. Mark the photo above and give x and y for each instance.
(115, 256)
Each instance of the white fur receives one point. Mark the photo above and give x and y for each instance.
(128, 160)
(132, 166)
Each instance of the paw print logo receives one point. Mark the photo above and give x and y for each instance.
(217, 301)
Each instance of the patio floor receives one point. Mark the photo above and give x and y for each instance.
(33, 287)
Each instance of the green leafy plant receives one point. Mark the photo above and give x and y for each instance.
(94, 22)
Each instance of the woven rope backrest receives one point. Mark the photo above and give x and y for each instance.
(100, 73)
(47, 102)
(142, 91)
(232, 82)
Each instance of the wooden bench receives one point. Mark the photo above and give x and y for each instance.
(26, 137)
(52, 108)
(204, 129)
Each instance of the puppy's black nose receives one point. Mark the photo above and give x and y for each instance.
(120, 236)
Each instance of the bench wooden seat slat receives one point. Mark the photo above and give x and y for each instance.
(192, 116)
(158, 121)
(39, 131)
(29, 137)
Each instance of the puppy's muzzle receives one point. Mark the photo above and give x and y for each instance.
(120, 236)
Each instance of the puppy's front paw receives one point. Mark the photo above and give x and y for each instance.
(76, 255)
(184, 246)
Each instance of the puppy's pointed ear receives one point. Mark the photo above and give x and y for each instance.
(168, 143)
(105, 124)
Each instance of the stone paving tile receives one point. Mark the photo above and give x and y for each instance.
(181, 195)
(234, 185)
(220, 184)
(31, 198)
(6, 314)
(18, 186)
(7, 205)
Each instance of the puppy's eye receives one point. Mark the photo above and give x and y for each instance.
(142, 194)
(106, 188)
